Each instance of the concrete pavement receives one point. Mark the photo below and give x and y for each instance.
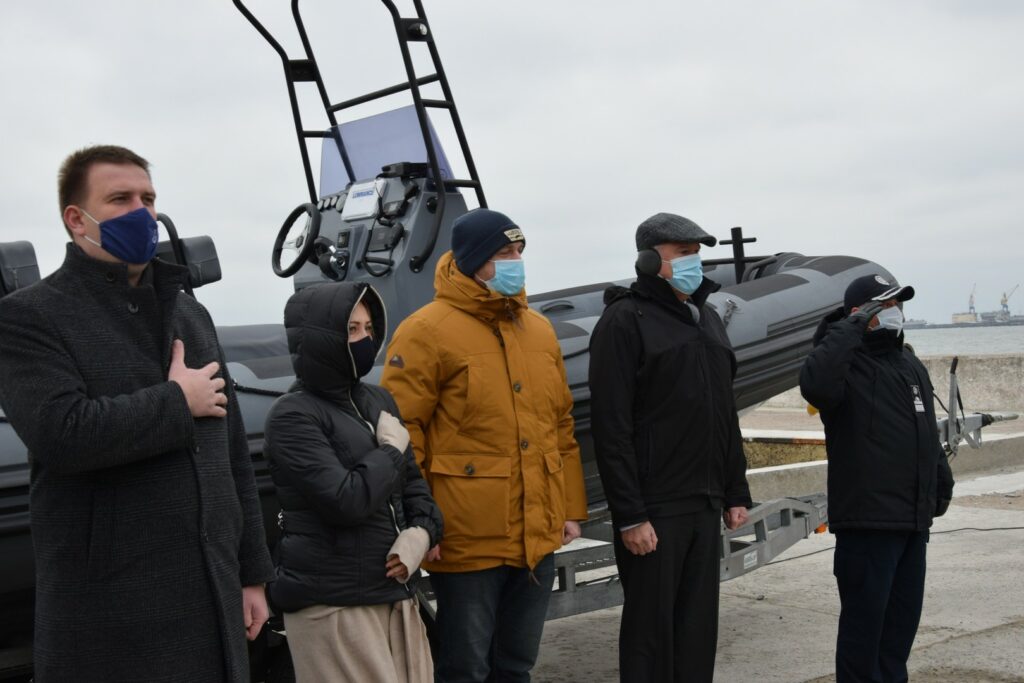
(778, 623)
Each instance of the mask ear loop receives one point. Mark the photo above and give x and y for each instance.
(89, 216)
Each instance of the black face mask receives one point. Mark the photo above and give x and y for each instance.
(363, 353)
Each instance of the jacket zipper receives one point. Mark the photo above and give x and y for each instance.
(394, 516)
(912, 376)
(394, 520)
(391, 508)
(711, 412)
(356, 409)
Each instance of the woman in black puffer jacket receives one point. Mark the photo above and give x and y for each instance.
(357, 517)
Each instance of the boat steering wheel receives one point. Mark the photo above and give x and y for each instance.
(303, 242)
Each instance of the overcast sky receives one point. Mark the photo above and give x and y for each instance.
(887, 130)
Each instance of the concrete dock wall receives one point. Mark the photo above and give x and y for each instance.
(987, 383)
(789, 459)
(806, 476)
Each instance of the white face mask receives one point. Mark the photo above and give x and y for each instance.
(890, 319)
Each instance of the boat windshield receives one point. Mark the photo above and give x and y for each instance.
(375, 141)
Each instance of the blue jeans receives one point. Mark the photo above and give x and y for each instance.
(489, 622)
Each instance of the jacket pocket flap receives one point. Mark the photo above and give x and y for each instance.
(459, 465)
(553, 459)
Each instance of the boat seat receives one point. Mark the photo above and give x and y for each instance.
(18, 266)
(199, 255)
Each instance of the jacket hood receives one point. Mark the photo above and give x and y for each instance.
(463, 292)
(316, 322)
(614, 293)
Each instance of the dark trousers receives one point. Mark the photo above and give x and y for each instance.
(489, 622)
(669, 628)
(881, 588)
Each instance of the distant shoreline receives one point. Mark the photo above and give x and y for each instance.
(946, 326)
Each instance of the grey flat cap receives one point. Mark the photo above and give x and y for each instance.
(668, 227)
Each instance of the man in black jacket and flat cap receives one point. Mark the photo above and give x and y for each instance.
(668, 447)
(887, 474)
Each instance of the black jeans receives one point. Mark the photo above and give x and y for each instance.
(881, 588)
(489, 622)
(669, 629)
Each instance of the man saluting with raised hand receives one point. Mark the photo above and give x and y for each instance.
(888, 477)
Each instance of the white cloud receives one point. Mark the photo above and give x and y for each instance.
(885, 130)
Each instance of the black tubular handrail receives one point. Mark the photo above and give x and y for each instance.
(335, 132)
(291, 75)
(407, 30)
(456, 119)
(377, 94)
(416, 262)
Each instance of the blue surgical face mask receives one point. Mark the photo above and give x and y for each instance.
(890, 319)
(687, 273)
(509, 277)
(131, 237)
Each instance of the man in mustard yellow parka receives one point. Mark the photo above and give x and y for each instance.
(479, 380)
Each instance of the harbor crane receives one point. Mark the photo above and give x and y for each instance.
(1005, 301)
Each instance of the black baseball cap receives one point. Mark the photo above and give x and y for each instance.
(875, 288)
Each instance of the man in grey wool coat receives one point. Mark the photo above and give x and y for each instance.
(149, 548)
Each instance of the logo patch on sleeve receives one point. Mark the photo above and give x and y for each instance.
(918, 402)
(396, 361)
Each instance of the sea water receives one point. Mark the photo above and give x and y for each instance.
(967, 341)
